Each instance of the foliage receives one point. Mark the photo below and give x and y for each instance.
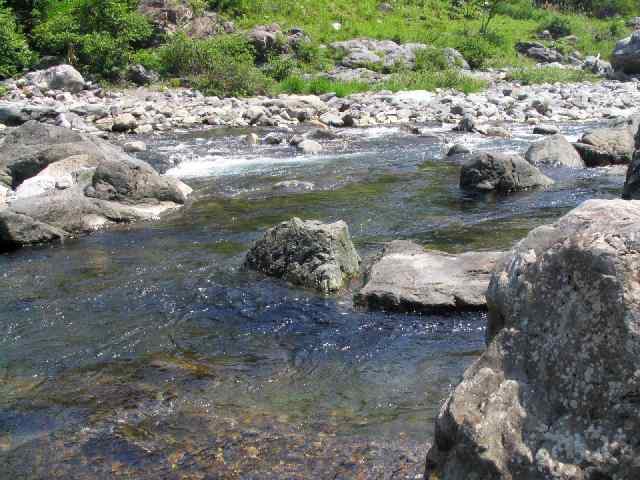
(14, 50)
(319, 86)
(558, 26)
(476, 50)
(3, 91)
(450, 79)
(280, 67)
(537, 75)
(425, 80)
(222, 66)
(98, 35)
(431, 59)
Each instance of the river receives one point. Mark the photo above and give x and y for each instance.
(148, 352)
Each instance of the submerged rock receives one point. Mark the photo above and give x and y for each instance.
(555, 151)
(556, 393)
(307, 253)
(408, 278)
(502, 173)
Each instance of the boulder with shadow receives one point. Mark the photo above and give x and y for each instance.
(307, 253)
(501, 173)
(556, 393)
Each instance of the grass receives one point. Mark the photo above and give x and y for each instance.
(424, 80)
(538, 75)
(428, 21)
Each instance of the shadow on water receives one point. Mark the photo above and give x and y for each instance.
(148, 352)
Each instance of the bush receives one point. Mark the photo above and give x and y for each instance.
(149, 58)
(280, 67)
(428, 59)
(101, 35)
(15, 54)
(558, 27)
(222, 66)
(476, 50)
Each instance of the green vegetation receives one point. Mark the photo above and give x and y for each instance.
(533, 75)
(14, 50)
(103, 37)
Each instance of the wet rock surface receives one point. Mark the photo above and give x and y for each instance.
(309, 253)
(62, 182)
(555, 395)
(408, 278)
(502, 173)
(554, 151)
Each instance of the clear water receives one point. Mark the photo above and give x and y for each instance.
(147, 352)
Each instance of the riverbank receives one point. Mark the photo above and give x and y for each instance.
(144, 111)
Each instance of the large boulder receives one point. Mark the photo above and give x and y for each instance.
(387, 54)
(557, 392)
(408, 278)
(626, 54)
(554, 151)
(307, 253)
(17, 230)
(67, 183)
(606, 146)
(134, 181)
(29, 149)
(501, 173)
(60, 77)
(539, 52)
(271, 40)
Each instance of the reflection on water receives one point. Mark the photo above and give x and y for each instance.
(147, 352)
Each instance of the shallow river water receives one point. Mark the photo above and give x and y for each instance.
(148, 352)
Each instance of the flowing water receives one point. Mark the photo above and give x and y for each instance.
(148, 352)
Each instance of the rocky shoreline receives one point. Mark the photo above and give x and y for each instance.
(54, 97)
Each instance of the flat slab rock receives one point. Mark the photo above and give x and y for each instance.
(408, 278)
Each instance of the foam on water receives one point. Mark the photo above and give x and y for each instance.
(212, 165)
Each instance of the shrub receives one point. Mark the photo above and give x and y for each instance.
(558, 27)
(222, 66)
(186, 56)
(476, 50)
(15, 54)
(280, 67)
(98, 34)
(149, 58)
(232, 79)
(431, 59)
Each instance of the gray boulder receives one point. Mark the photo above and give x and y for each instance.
(307, 253)
(458, 149)
(502, 173)
(556, 393)
(606, 146)
(407, 278)
(17, 230)
(134, 181)
(32, 147)
(539, 52)
(139, 75)
(597, 66)
(554, 151)
(60, 77)
(626, 54)
(67, 182)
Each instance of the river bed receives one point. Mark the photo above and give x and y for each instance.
(148, 352)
